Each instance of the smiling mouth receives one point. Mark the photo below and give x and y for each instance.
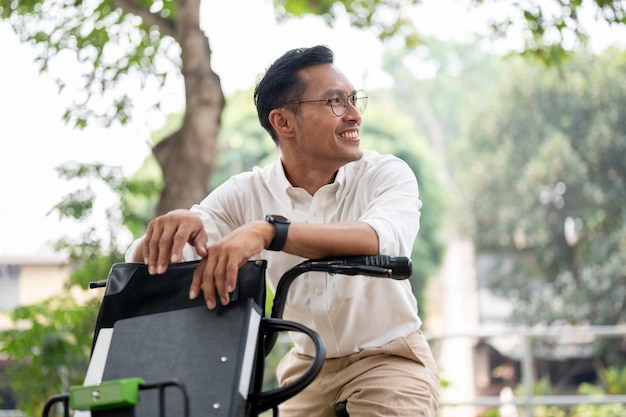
(349, 135)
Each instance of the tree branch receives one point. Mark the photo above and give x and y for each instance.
(149, 19)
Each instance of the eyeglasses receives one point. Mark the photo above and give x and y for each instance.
(339, 102)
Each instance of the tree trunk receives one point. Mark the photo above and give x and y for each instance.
(187, 157)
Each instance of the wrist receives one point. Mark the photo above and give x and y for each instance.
(281, 227)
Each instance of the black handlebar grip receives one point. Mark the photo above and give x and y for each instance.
(398, 267)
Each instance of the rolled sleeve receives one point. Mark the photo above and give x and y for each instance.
(394, 209)
(129, 256)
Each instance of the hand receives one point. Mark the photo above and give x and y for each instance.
(219, 270)
(166, 237)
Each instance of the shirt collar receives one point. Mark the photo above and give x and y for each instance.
(277, 180)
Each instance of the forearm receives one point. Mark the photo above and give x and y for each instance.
(315, 241)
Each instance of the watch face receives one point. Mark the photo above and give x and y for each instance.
(275, 218)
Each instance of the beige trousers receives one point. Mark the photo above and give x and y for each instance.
(398, 379)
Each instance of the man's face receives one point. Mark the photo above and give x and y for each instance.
(323, 136)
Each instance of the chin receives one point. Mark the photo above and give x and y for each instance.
(355, 155)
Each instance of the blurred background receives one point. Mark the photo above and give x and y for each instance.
(512, 116)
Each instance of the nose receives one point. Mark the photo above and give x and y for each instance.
(352, 113)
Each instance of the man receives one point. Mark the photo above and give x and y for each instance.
(325, 197)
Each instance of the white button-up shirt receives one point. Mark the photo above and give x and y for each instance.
(350, 313)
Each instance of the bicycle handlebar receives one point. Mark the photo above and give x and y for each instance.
(382, 266)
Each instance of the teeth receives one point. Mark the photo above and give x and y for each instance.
(350, 135)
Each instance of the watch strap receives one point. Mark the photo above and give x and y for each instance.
(278, 243)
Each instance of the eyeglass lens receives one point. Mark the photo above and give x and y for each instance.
(339, 102)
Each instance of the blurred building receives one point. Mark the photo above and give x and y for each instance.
(480, 355)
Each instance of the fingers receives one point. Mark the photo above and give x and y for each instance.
(157, 246)
(196, 281)
(199, 242)
(166, 237)
(203, 280)
(225, 277)
(215, 276)
(226, 257)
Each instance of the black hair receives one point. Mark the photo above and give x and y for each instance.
(281, 82)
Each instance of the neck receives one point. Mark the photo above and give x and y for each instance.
(310, 180)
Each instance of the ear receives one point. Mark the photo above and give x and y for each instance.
(283, 122)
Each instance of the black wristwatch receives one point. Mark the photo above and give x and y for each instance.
(281, 224)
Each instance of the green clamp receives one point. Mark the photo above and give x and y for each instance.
(107, 395)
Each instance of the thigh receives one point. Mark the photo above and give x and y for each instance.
(397, 380)
(310, 402)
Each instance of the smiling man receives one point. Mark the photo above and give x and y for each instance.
(324, 197)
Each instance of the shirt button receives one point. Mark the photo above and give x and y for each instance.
(318, 291)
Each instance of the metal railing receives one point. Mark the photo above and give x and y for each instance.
(528, 400)
(12, 413)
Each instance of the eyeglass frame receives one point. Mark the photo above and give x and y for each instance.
(329, 101)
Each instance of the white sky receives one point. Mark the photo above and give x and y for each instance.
(244, 39)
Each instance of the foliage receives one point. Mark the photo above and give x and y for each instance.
(605, 410)
(113, 40)
(436, 85)
(387, 18)
(109, 43)
(614, 383)
(545, 182)
(50, 343)
(243, 142)
(136, 197)
(551, 29)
